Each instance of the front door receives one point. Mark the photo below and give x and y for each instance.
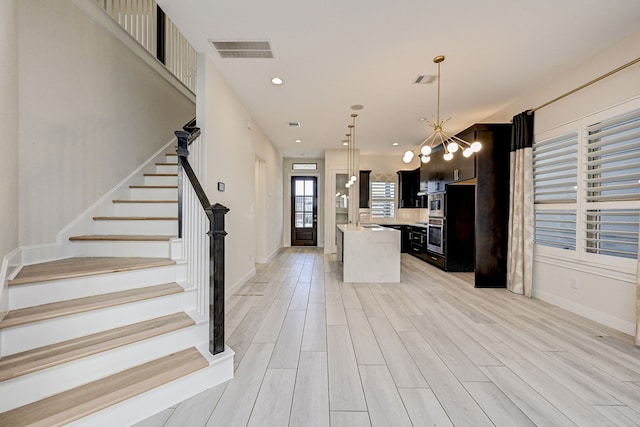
(304, 211)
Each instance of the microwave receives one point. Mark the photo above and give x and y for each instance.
(435, 204)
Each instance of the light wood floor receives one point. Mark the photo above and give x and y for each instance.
(431, 350)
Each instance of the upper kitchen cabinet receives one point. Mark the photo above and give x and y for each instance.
(364, 189)
(408, 188)
(433, 175)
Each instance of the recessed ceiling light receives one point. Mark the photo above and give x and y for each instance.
(276, 81)
(357, 107)
(345, 143)
(298, 141)
(422, 119)
(395, 144)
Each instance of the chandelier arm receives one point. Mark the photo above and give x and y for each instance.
(442, 141)
(455, 138)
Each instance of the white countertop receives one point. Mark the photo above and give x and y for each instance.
(365, 227)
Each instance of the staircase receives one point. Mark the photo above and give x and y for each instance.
(111, 335)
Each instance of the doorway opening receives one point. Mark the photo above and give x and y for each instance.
(304, 211)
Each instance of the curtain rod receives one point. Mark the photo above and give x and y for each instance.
(597, 79)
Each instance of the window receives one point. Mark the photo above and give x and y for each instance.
(555, 189)
(612, 181)
(304, 166)
(587, 188)
(383, 197)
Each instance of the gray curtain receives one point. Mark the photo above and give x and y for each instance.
(520, 248)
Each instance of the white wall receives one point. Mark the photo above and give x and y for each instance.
(9, 132)
(287, 174)
(233, 144)
(90, 113)
(598, 294)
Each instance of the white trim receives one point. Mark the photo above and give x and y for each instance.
(606, 271)
(4, 276)
(597, 316)
(232, 289)
(93, 10)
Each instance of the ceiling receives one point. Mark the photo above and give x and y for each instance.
(333, 54)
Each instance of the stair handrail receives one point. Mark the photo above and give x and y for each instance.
(215, 215)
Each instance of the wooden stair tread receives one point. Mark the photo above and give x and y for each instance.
(81, 305)
(122, 238)
(135, 218)
(154, 186)
(166, 164)
(144, 201)
(79, 402)
(84, 266)
(40, 358)
(160, 174)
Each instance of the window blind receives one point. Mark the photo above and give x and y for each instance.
(555, 169)
(383, 199)
(613, 159)
(556, 229)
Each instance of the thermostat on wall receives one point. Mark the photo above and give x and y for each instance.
(220, 186)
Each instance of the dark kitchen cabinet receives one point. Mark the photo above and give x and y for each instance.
(464, 168)
(491, 202)
(460, 227)
(433, 175)
(404, 235)
(364, 189)
(408, 188)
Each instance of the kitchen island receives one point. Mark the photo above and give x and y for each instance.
(369, 253)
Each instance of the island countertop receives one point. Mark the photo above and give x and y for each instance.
(369, 253)
(364, 227)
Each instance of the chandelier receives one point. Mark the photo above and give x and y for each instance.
(450, 143)
(351, 151)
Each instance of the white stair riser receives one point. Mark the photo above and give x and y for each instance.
(32, 294)
(40, 384)
(38, 334)
(146, 209)
(122, 248)
(143, 406)
(171, 159)
(143, 227)
(167, 168)
(153, 194)
(160, 180)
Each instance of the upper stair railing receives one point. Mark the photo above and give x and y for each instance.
(147, 23)
(201, 227)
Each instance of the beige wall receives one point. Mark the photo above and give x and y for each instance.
(90, 113)
(233, 143)
(600, 294)
(9, 132)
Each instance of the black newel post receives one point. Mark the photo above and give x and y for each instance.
(216, 286)
(183, 153)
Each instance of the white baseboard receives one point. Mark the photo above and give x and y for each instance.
(232, 289)
(597, 316)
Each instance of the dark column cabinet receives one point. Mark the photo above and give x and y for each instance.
(492, 202)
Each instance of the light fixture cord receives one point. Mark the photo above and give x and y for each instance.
(353, 131)
(438, 107)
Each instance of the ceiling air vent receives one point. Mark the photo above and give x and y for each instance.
(424, 80)
(294, 124)
(243, 49)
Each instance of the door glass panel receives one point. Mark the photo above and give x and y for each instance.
(342, 199)
(304, 203)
